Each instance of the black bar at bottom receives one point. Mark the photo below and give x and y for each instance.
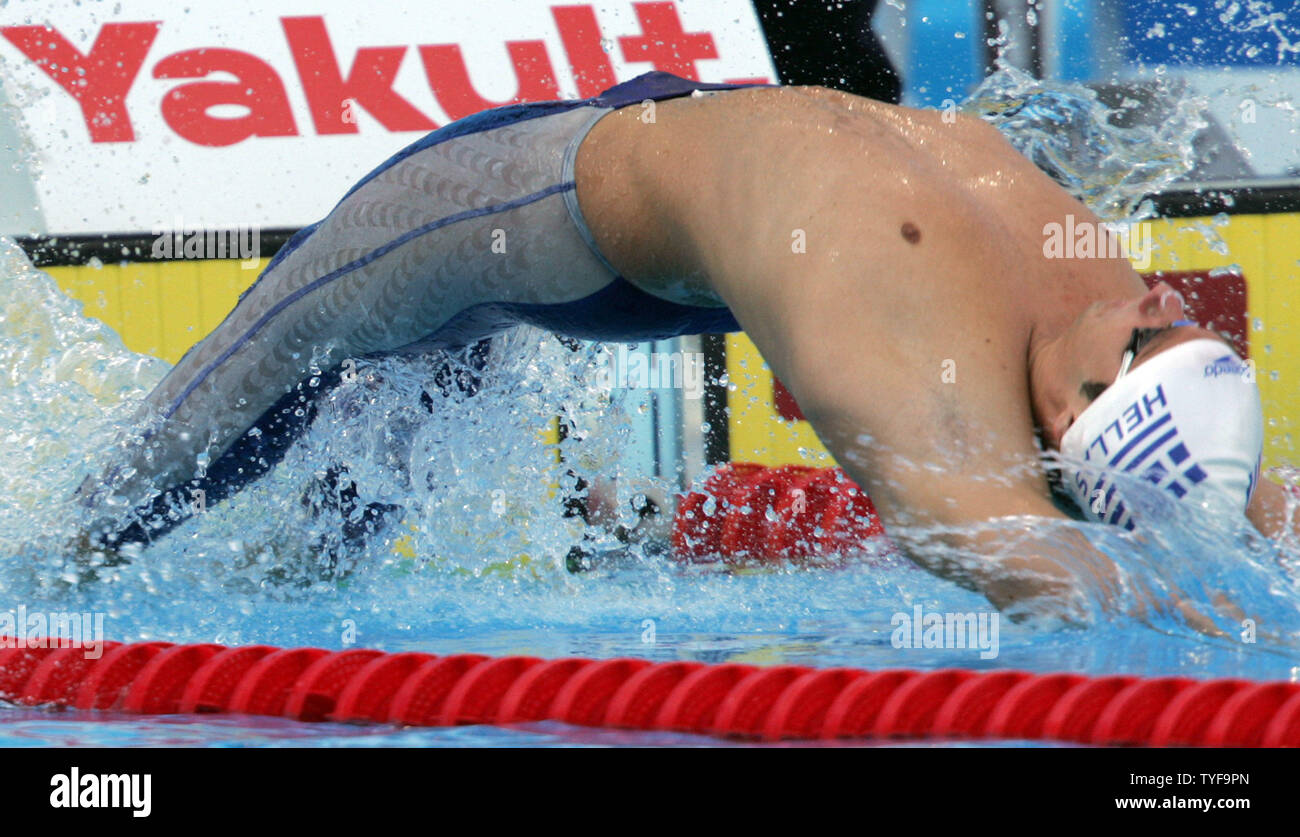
(920, 785)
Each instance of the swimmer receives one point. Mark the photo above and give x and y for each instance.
(867, 250)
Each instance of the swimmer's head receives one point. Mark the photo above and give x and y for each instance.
(1132, 388)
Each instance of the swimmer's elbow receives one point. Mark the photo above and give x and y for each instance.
(1020, 576)
(1040, 588)
(1269, 512)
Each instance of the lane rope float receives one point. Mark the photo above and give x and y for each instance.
(730, 700)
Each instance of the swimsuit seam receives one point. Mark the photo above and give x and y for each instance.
(350, 267)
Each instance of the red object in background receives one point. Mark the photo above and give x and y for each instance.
(786, 407)
(747, 513)
(1215, 302)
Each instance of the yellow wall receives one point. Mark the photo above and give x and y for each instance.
(1266, 249)
(159, 308)
(756, 433)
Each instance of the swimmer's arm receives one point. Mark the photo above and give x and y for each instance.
(1037, 570)
(1268, 511)
(1016, 567)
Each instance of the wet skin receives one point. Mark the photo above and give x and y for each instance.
(924, 255)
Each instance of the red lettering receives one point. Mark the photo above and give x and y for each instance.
(258, 88)
(580, 34)
(449, 80)
(663, 42)
(369, 83)
(98, 80)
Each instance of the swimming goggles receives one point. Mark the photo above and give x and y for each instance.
(1141, 337)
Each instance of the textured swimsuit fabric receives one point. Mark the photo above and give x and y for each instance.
(471, 229)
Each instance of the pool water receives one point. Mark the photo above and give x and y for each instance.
(474, 563)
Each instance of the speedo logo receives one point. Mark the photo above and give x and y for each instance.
(1229, 365)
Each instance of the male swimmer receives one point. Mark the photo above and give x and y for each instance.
(666, 207)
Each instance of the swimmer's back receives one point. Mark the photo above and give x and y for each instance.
(862, 246)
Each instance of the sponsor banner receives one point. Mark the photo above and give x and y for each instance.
(130, 114)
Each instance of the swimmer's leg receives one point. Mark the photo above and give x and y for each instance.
(461, 235)
(331, 498)
(470, 230)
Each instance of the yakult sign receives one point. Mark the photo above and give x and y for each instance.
(264, 113)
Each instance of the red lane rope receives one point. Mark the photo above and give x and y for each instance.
(732, 700)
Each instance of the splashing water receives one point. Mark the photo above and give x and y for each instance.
(1071, 135)
(69, 383)
(472, 557)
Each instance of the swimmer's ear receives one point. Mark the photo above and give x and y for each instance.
(1160, 306)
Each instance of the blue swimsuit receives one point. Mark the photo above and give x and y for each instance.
(472, 229)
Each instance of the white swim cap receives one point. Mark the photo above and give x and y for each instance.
(1188, 420)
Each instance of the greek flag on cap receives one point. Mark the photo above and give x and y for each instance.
(1188, 421)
